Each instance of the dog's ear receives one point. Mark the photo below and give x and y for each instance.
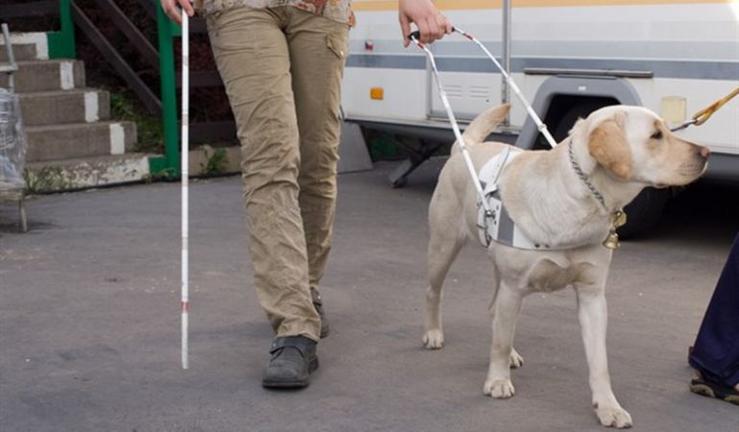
(607, 144)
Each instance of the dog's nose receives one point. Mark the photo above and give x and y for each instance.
(704, 151)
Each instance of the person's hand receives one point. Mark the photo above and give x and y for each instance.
(174, 12)
(430, 22)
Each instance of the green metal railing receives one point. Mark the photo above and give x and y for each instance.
(169, 163)
(62, 42)
(62, 45)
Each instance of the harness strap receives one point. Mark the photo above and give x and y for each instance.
(453, 121)
(497, 225)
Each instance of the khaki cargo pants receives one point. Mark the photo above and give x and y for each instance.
(282, 70)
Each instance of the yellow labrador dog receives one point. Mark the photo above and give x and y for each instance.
(552, 197)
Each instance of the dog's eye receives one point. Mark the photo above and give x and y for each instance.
(657, 135)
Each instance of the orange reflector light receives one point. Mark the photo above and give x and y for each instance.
(377, 93)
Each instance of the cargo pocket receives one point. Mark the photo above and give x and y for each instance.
(337, 43)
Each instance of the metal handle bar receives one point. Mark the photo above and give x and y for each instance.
(541, 127)
(455, 126)
(417, 34)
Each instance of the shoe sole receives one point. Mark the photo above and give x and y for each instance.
(293, 384)
(705, 390)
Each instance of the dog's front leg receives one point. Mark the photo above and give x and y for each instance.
(593, 315)
(506, 308)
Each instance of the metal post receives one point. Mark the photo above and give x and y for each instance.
(12, 68)
(505, 95)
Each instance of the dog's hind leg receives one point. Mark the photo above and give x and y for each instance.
(446, 240)
(516, 359)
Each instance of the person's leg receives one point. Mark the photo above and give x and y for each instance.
(318, 48)
(317, 52)
(716, 351)
(252, 55)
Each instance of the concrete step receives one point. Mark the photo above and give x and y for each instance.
(79, 140)
(206, 160)
(51, 176)
(26, 46)
(65, 106)
(47, 75)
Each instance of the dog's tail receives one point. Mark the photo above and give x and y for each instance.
(483, 125)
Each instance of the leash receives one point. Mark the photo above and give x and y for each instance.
(703, 115)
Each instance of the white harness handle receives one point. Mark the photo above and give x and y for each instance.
(453, 120)
(455, 125)
(539, 124)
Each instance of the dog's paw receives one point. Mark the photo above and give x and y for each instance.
(516, 360)
(433, 339)
(613, 416)
(499, 389)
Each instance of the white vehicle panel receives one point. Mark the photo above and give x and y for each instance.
(692, 50)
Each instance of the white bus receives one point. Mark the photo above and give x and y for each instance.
(569, 57)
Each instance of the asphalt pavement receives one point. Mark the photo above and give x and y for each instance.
(89, 321)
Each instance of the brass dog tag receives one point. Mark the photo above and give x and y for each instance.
(617, 220)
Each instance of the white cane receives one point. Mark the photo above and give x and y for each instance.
(184, 170)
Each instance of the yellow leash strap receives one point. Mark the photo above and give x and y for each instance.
(703, 115)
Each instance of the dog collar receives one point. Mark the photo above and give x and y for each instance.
(584, 177)
(618, 217)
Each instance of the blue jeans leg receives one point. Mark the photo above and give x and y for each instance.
(716, 350)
